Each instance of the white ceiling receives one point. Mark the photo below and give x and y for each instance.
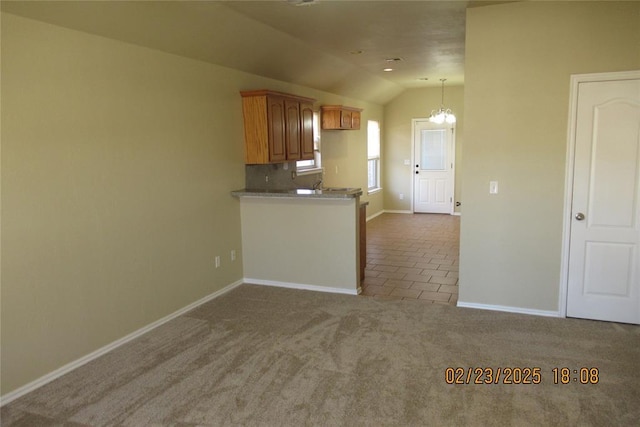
(309, 45)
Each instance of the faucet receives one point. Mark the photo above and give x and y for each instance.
(317, 184)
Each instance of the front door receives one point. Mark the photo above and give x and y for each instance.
(433, 172)
(603, 280)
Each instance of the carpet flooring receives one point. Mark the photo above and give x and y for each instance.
(265, 356)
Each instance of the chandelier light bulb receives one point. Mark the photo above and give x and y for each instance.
(450, 118)
(437, 117)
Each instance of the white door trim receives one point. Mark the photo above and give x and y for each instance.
(576, 79)
(413, 162)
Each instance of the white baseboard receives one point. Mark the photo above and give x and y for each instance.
(109, 347)
(509, 309)
(301, 286)
(400, 212)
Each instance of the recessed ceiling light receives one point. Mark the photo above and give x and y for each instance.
(388, 69)
(302, 2)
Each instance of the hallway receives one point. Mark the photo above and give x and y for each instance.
(413, 257)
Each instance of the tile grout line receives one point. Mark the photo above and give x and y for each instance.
(425, 260)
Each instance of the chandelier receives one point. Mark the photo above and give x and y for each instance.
(442, 115)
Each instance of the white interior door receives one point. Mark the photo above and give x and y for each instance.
(603, 281)
(433, 174)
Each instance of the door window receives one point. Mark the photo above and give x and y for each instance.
(433, 149)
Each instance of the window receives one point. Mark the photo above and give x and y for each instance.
(312, 166)
(433, 146)
(373, 155)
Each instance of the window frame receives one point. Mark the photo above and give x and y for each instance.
(373, 156)
(307, 167)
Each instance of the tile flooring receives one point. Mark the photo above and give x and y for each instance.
(413, 256)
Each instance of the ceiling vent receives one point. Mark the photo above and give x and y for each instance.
(302, 2)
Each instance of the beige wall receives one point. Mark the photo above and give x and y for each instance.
(301, 258)
(117, 163)
(398, 145)
(519, 57)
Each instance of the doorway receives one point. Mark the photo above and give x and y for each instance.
(434, 166)
(601, 253)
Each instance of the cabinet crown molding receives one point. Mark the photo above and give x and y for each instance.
(340, 107)
(265, 92)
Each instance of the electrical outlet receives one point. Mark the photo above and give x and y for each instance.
(401, 196)
(233, 255)
(217, 261)
(336, 169)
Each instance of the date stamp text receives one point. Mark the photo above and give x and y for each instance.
(520, 375)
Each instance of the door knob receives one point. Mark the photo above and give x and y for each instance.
(579, 216)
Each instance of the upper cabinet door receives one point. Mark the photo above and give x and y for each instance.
(345, 119)
(277, 126)
(306, 131)
(292, 108)
(355, 120)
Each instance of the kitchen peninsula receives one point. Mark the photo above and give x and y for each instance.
(302, 238)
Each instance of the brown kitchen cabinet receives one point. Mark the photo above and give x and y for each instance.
(363, 238)
(339, 117)
(306, 135)
(278, 127)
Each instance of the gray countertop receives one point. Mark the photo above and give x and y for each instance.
(326, 193)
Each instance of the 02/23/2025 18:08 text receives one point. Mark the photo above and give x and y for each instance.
(518, 375)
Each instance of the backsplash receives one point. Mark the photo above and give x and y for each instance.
(279, 178)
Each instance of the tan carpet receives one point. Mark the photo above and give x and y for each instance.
(278, 357)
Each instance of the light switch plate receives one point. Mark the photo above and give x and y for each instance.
(493, 187)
